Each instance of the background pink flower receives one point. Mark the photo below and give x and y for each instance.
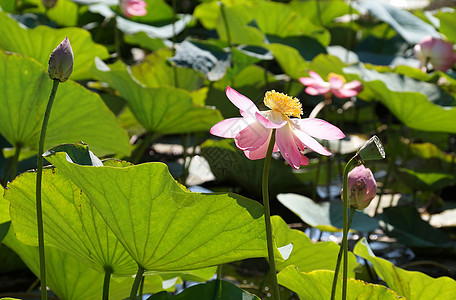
(336, 86)
(361, 187)
(252, 132)
(133, 8)
(438, 53)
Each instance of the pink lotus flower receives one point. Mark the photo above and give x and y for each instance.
(252, 132)
(133, 8)
(435, 51)
(336, 85)
(361, 187)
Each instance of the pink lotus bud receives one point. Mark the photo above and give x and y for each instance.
(361, 187)
(49, 3)
(61, 61)
(133, 8)
(435, 51)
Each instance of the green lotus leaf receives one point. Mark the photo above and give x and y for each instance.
(164, 110)
(316, 285)
(4, 208)
(325, 216)
(218, 289)
(70, 279)
(409, 284)
(77, 113)
(39, 43)
(162, 225)
(306, 255)
(71, 223)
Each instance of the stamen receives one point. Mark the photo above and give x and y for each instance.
(284, 104)
(341, 78)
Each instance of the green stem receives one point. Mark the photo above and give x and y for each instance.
(225, 22)
(267, 217)
(176, 79)
(319, 12)
(135, 286)
(106, 282)
(141, 286)
(39, 178)
(138, 153)
(348, 166)
(339, 257)
(219, 272)
(15, 162)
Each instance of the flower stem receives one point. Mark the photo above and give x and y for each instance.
(39, 178)
(348, 166)
(135, 286)
(106, 282)
(267, 217)
(339, 257)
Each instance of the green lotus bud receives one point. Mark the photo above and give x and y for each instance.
(372, 149)
(61, 61)
(49, 3)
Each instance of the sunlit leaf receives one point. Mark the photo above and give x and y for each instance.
(210, 60)
(317, 285)
(320, 11)
(409, 284)
(70, 279)
(417, 104)
(163, 110)
(39, 43)
(162, 225)
(77, 113)
(411, 28)
(306, 255)
(64, 13)
(447, 24)
(155, 71)
(216, 288)
(71, 223)
(326, 216)
(4, 208)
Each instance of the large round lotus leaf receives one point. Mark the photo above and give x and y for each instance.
(71, 223)
(77, 113)
(306, 255)
(70, 279)
(39, 43)
(317, 285)
(409, 284)
(163, 226)
(163, 110)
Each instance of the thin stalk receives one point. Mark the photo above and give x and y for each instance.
(317, 109)
(106, 282)
(136, 156)
(319, 12)
(33, 285)
(176, 79)
(339, 257)
(348, 166)
(6, 173)
(225, 22)
(219, 272)
(15, 161)
(141, 286)
(267, 217)
(135, 286)
(39, 178)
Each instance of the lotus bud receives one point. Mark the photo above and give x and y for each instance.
(372, 150)
(61, 61)
(361, 187)
(438, 53)
(49, 3)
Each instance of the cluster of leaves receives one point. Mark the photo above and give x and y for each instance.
(160, 78)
